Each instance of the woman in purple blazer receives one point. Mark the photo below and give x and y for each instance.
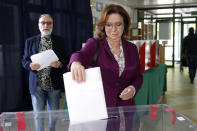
(117, 58)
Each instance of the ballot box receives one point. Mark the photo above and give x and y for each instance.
(132, 118)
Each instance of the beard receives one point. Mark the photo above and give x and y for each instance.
(46, 33)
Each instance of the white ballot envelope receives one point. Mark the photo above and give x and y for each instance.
(86, 101)
(44, 58)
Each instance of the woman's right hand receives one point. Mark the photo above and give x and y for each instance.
(78, 72)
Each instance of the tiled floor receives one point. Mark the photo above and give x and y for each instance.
(180, 94)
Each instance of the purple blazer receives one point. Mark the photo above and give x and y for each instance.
(112, 83)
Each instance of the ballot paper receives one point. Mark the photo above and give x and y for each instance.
(89, 126)
(44, 58)
(86, 101)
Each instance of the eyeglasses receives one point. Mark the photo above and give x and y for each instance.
(116, 25)
(44, 22)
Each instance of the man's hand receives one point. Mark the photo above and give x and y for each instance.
(56, 64)
(34, 66)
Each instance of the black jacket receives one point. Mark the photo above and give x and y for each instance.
(59, 47)
(190, 44)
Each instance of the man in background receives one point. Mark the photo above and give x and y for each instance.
(189, 51)
(45, 85)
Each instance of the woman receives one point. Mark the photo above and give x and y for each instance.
(117, 58)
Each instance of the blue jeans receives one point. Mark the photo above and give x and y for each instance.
(41, 98)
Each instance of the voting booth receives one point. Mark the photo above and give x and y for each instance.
(154, 53)
(148, 53)
(133, 118)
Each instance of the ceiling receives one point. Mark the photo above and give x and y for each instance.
(156, 4)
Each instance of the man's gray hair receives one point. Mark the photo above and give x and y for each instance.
(42, 15)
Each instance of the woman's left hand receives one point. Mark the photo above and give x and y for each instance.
(127, 93)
